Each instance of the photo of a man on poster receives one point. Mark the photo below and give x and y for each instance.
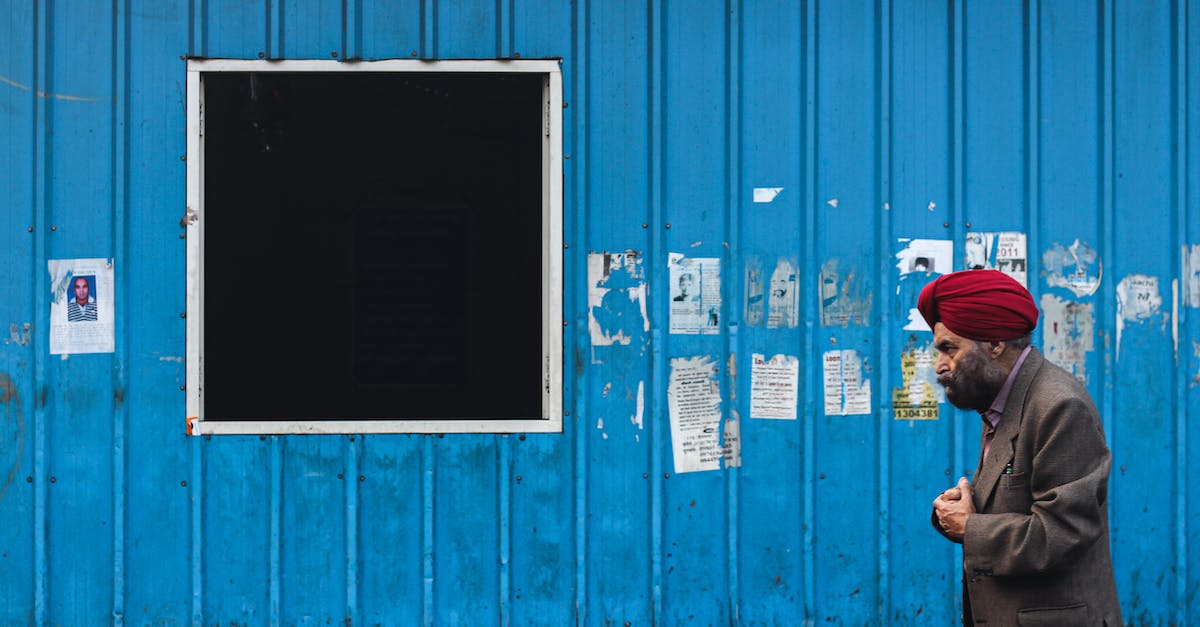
(82, 306)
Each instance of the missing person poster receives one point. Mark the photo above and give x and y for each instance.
(695, 295)
(81, 306)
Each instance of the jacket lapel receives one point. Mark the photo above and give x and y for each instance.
(988, 475)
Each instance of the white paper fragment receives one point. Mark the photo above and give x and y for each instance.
(774, 388)
(694, 406)
(766, 194)
(695, 295)
(846, 391)
(932, 205)
(1068, 328)
(832, 202)
(82, 304)
(925, 256)
(919, 394)
(887, 206)
(1077, 268)
(916, 322)
(641, 405)
(1189, 260)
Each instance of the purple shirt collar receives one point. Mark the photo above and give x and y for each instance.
(996, 411)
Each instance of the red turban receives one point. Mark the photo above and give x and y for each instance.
(982, 305)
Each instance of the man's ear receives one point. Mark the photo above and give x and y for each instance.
(997, 348)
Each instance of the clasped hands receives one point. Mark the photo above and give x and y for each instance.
(952, 509)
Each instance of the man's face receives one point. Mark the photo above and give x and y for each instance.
(966, 369)
(81, 291)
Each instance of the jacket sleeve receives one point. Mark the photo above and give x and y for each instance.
(1046, 519)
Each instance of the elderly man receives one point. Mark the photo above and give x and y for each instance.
(1033, 521)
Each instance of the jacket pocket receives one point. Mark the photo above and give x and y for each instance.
(1014, 481)
(1065, 616)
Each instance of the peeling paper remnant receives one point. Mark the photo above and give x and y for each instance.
(1138, 300)
(846, 391)
(616, 298)
(694, 407)
(754, 292)
(925, 257)
(919, 395)
(1077, 268)
(844, 300)
(1189, 261)
(766, 194)
(783, 308)
(1068, 330)
(731, 450)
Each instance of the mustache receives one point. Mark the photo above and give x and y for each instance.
(946, 379)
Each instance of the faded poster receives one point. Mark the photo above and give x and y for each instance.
(694, 405)
(918, 262)
(773, 387)
(616, 298)
(754, 291)
(1003, 251)
(844, 299)
(695, 295)
(920, 393)
(1077, 268)
(784, 306)
(846, 391)
(1138, 301)
(1067, 330)
(81, 306)
(1189, 261)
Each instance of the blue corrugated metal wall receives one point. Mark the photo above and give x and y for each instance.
(884, 120)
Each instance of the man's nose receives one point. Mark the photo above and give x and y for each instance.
(942, 364)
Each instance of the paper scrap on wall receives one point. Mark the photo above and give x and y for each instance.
(1003, 251)
(754, 292)
(1189, 261)
(774, 387)
(1076, 268)
(784, 306)
(616, 298)
(1067, 330)
(844, 299)
(81, 306)
(846, 391)
(695, 295)
(917, 262)
(694, 405)
(1138, 300)
(920, 393)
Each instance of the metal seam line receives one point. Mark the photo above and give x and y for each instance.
(1180, 154)
(657, 165)
(120, 206)
(504, 497)
(579, 399)
(733, 193)
(883, 166)
(352, 501)
(428, 466)
(958, 36)
(274, 574)
(41, 197)
(808, 469)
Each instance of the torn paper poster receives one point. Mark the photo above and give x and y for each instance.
(846, 391)
(1195, 359)
(766, 194)
(754, 291)
(919, 394)
(1067, 331)
(925, 257)
(1189, 261)
(616, 298)
(1003, 251)
(916, 322)
(1076, 268)
(844, 299)
(731, 450)
(695, 294)
(774, 387)
(1138, 300)
(81, 306)
(783, 308)
(694, 406)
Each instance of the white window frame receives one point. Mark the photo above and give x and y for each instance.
(552, 264)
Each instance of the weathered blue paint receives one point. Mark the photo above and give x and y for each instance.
(1066, 120)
